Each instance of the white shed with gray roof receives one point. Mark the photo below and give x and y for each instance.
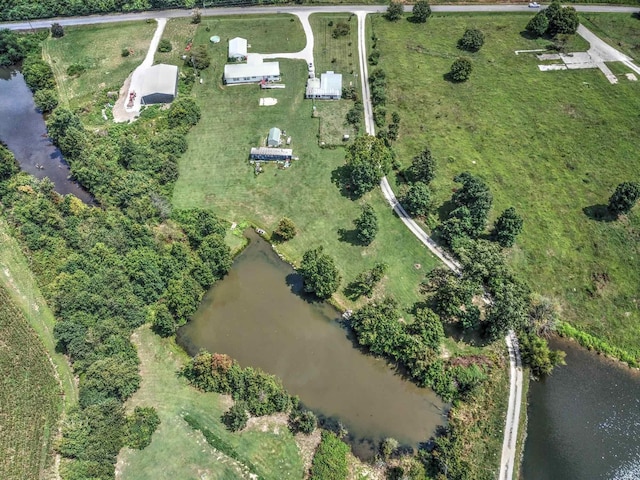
(237, 49)
(159, 84)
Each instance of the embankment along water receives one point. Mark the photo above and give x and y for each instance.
(23, 130)
(258, 316)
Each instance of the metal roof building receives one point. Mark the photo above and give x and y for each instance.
(254, 71)
(237, 49)
(327, 87)
(271, 154)
(159, 84)
(273, 140)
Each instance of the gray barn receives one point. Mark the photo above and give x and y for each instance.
(159, 84)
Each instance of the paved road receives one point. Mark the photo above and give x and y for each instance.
(128, 17)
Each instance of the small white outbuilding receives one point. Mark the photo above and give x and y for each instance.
(237, 49)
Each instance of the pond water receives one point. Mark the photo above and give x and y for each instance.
(584, 421)
(257, 316)
(23, 130)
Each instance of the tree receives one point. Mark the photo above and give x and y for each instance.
(163, 322)
(423, 167)
(421, 11)
(110, 377)
(461, 69)
(38, 74)
(537, 355)
(199, 58)
(286, 229)
(319, 273)
(561, 19)
(539, 24)
(183, 112)
(368, 159)
(508, 226)
(510, 308)
(342, 29)
(366, 281)
(46, 100)
(8, 164)
(624, 198)
(395, 10)
(236, 417)
(476, 196)
(215, 255)
(417, 201)
(472, 40)
(140, 426)
(57, 30)
(301, 420)
(366, 225)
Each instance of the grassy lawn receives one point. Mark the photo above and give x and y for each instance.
(215, 174)
(620, 30)
(271, 448)
(97, 48)
(29, 395)
(552, 144)
(338, 54)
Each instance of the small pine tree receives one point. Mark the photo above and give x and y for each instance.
(57, 30)
(624, 198)
(395, 11)
(366, 225)
(472, 40)
(461, 69)
(236, 417)
(508, 227)
(421, 11)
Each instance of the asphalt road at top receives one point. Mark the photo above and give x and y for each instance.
(211, 12)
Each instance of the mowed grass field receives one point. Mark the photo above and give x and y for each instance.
(270, 447)
(30, 398)
(552, 144)
(98, 48)
(215, 174)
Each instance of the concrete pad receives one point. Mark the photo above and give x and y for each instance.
(581, 66)
(576, 57)
(555, 66)
(631, 77)
(268, 102)
(549, 56)
(608, 73)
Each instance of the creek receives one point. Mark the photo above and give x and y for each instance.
(23, 130)
(584, 420)
(258, 316)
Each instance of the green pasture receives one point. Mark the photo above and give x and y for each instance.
(552, 144)
(215, 173)
(272, 450)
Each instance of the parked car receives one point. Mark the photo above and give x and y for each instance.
(534, 5)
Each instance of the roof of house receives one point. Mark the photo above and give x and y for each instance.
(330, 83)
(271, 151)
(237, 46)
(274, 135)
(159, 78)
(252, 69)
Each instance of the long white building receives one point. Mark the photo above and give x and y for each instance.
(254, 71)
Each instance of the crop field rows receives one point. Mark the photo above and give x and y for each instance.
(29, 397)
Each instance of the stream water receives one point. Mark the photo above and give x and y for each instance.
(257, 316)
(584, 421)
(23, 130)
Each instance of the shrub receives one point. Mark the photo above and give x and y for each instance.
(236, 417)
(46, 100)
(538, 25)
(38, 74)
(302, 421)
(196, 16)
(366, 225)
(57, 30)
(624, 198)
(140, 427)
(461, 69)
(342, 30)
(199, 58)
(421, 11)
(508, 226)
(76, 69)
(395, 10)
(164, 46)
(330, 459)
(183, 112)
(286, 229)
(472, 40)
(374, 58)
(125, 52)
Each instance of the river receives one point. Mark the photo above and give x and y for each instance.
(584, 420)
(257, 316)
(23, 130)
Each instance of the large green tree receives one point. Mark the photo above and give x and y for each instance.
(508, 226)
(476, 196)
(539, 24)
(423, 167)
(417, 200)
(537, 355)
(366, 224)
(368, 159)
(319, 273)
(395, 10)
(421, 11)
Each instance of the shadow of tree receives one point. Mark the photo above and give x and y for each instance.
(599, 213)
(296, 285)
(349, 236)
(340, 178)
